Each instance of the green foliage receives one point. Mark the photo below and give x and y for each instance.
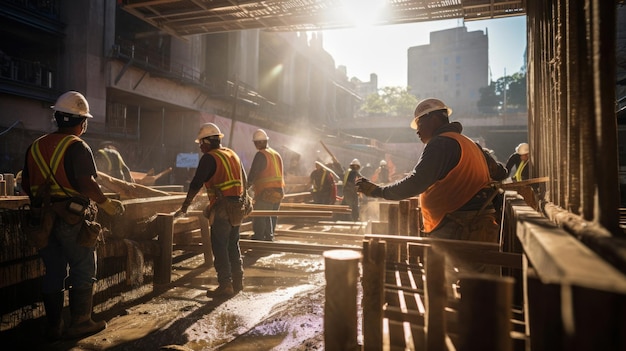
(492, 97)
(390, 101)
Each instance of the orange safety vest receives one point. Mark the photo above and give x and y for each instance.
(458, 186)
(272, 175)
(47, 154)
(228, 177)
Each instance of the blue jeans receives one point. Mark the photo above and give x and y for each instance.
(62, 252)
(226, 253)
(264, 227)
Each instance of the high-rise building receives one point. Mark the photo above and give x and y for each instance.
(453, 67)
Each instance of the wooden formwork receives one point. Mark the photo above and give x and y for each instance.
(409, 305)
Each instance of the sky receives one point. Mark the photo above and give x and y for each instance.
(383, 49)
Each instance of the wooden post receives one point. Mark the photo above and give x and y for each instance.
(163, 263)
(205, 236)
(394, 251)
(415, 216)
(415, 222)
(436, 297)
(373, 283)
(340, 309)
(403, 217)
(485, 313)
(383, 210)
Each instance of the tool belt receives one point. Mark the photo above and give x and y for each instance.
(475, 225)
(271, 195)
(233, 209)
(36, 224)
(71, 210)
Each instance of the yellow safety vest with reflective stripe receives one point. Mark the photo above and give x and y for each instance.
(272, 175)
(518, 172)
(227, 180)
(46, 157)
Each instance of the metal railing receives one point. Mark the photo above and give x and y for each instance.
(25, 71)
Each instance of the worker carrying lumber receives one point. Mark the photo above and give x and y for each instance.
(323, 185)
(267, 182)
(220, 171)
(110, 161)
(59, 174)
(452, 178)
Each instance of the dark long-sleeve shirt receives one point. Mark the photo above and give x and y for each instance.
(439, 157)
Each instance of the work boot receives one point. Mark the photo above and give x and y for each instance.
(81, 305)
(224, 290)
(238, 282)
(53, 303)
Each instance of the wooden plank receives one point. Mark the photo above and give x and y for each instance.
(275, 246)
(316, 207)
(559, 258)
(163, 264)
(297, 214)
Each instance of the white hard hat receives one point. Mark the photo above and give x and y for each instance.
(522, 149)
(260, 135)
(383, 162)
(207, 130)
(355, 162)
(74, 103)
(427, 106)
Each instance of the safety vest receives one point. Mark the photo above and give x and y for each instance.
(272, 175)
(461, 184)
(46, 156)
(518, 172)
(227, 180)
(113, 169)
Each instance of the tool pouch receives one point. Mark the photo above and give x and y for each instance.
(37, 225)
(273, 196)
(72, 210)
(90, 233)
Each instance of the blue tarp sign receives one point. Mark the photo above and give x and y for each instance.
(189, 160)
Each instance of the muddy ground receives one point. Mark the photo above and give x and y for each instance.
(281, 308)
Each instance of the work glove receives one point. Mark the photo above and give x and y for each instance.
(367, 188)
(112, 207)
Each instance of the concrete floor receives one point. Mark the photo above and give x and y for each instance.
(281, 308)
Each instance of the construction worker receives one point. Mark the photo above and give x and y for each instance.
(266, 179)
(518, 162)
(109, 161)
(221, 173)
(381, 174)
(61, 165)
(350, 195)
(451, 177)
(323, 185)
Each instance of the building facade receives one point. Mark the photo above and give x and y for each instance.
(453, 67)
(149, 91)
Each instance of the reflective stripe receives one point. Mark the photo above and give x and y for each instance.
(55, 161)
(231, 181)
(272, 175)
(104, 153)
(520, 169)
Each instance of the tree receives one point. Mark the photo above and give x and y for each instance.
(390, 101)
(513, 87)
